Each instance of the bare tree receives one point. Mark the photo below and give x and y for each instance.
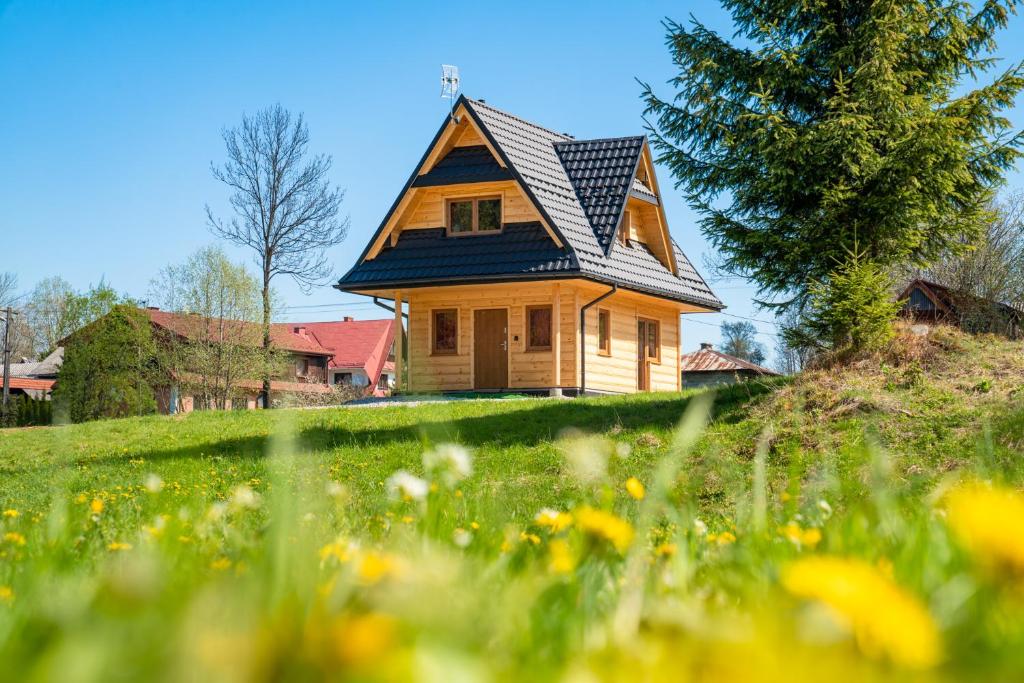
(219, 307)
(285, 208)
(8, 289)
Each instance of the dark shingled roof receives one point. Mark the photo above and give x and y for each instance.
(464, 165)
(580, 188)
(601, 172)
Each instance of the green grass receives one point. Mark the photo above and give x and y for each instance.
(265, 546)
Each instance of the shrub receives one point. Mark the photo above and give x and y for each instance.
(851, 312)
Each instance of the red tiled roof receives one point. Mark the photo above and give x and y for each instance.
(30, 383)
(281, 336)
(355, 343)
(710, 360)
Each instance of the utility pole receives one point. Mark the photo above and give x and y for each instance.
(8, 314)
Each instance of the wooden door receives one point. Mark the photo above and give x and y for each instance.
(490, 348)
(647, 349)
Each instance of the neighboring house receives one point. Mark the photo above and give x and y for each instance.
(46, 368)
(363, 352)
(307, 369)
(708, 367)
(38, 389)
(930, 302)
(532, 261)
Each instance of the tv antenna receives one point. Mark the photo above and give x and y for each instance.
(450, 84)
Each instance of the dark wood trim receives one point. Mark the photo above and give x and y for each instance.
(605, 350)
(551, 326)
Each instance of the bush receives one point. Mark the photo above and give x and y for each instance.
(109, 367)
(852, 312)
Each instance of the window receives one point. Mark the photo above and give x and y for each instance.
(538, 328)
(383, 382)
(478, 215)
(302, 367)
(446, 331)
(344, 378)
(650, 338)
(604, 332)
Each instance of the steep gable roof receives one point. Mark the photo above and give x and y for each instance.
(356, 343)
(579, 188)
(190, 326)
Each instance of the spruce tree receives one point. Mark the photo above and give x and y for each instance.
(825, 124)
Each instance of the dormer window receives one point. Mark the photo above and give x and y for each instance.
(474, 215)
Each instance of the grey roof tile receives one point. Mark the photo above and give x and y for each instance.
(580, 187)
(464, 165)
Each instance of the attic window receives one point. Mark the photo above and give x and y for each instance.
(641, 175)
(476, 215)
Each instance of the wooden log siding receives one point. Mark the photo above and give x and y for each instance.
(537, 369)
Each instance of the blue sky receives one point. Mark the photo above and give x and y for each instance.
(111, 112)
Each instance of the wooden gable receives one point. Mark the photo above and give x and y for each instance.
(643, 219)
(423, 207)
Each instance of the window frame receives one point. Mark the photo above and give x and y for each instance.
(434, 351)
(382, 382)
(657, 338)
(530, 348)
(475, 200)
(604, 349)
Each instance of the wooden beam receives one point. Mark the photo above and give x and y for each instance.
(398, 340)
(556, 341)
(679, 351)
(645, 156)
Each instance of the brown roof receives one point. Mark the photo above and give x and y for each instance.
(708, 359)
(281, 336)
(950, 300)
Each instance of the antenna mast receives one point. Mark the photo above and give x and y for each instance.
(450, 85)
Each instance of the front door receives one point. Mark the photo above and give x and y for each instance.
(646, 351)
(490, 348)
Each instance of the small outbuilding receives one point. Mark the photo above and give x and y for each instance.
(930, 302)
(708, 367)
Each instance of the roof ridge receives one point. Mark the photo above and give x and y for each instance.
(565, 136)
(614, 138)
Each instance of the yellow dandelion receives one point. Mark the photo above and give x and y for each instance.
(887, 621)
(474, 526)
(117, 546)
(408, 519)
(364, 639)
(533, 539)
(14, 537)
(220, 564)
(724, 538)
(336, 550)
(553, 520)
(375, 566)
(96, 506)
(665, 550)
(804, 538)
(635, 489)
(6, 594)
(606, 526)
(11, 513)
(561, 558)
(984, 519)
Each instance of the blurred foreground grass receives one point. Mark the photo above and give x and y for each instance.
(775, 533)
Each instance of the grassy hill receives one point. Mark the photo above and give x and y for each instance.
(830, 525)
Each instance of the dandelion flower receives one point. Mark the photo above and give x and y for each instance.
(804, 538)
(11, 513)
(118, 546)
(6, 594)
(364, 639)
(984, 519)
(96, 506)
(553, 520)
(338, 550)
(887, 621)
(451, 462)
(220, 564)
(561, 559)
(14, 537)
(724, 538)
(605, 526)
(475, 526)
(533, 539)
(635, 489)
(403, 485)
(665, 550)
(375, 566)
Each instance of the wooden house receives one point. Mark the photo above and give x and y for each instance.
(531, 261)
(930, 302)
(708, 367)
